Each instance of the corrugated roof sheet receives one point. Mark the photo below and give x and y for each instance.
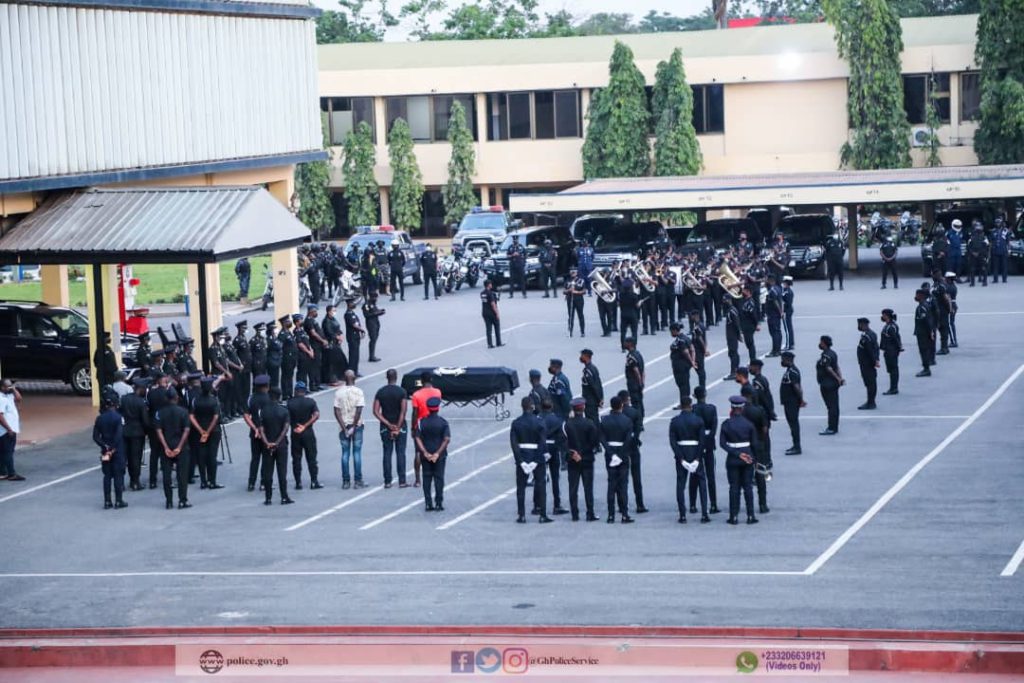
(799, 38)
(166, 225)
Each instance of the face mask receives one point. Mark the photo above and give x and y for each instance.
(223, 341)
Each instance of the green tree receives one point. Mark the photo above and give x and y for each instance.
(480, 20)
(869, 37)
(458, 193)
(616, 143)
(676, 150)
(311, 186)
(407, 181)
(361, 189)
(781, 12)
(350, 24)
(1000, 135)
(653, 22)
(933, 122)
(606, 24)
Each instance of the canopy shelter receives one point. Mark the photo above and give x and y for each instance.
(849, 188)
(194, 225)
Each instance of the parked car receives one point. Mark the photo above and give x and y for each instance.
(967, 214)
(677, 234)
(371, 234)
(485, 225)
(763, 218)
(722, 233)
(496, 267)
(615, 239)
(38, 341)
(1016, 259)
(806, 234)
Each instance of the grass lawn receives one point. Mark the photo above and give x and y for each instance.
(161, 284)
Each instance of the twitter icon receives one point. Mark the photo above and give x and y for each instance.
(488, 660)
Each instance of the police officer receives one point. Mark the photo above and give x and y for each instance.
(318, 344)
(516, 267)
(559, 389)
(258, 349)
(738, 438)
(616, 439)
(954, 247)
(732, 336)
(172, 428)
(943, 308)
(829, 381)
(636, 376)
(758, 416)
(371, 315)
(891, 345)
(289, 353)
(978, 252)
(951, 292)
(575, 288)
(170, 364)
(709, 414)
(834, 250)
(581, 441)
(699, 339)
(867, 359)
(685, 435)
(136, 424)
(259, 400)
(432, 438)
(924, 330)
(629, 307)
(144, 356)
(749, 321)
(548, 258)
(186, 361)
(888, 252)
(302, 415)
(243, 353)
(309, 370)
(274, 355)
(236, 381)
(791, 395)
(1001, 236)
(538, 393)
(940, 250)
(592, 389)
(105, 362)
(489, 311)
(108, 434)
(334, 359)
(554, 451)
(273, 435)
(774, 310)
(681, 355)
(204, 417)
(156, 398)
(528, 439)
(787, 310)
(635, 473)
(428, 263)
(396, 261)
(354, 332)
(585, 261)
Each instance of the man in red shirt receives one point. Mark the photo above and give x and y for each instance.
(420, 411)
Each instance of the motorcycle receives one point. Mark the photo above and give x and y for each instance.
(304, 293)
(268, 288)
(910, 228)
(452, 272)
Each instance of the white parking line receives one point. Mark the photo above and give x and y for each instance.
(397, 572)
(49, 483)
(478, 508)
(1011, 567)
(844, 538)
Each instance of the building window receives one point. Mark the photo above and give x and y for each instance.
(970, 96)
(917, 91)
(540, 115)
(344, 114)
(708, 108)
(428, 116)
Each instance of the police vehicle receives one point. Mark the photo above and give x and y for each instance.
(614, 238)
(720, 234)
(496, 267)
(484, 228)
(1016, 250)
(367, 235)
(806, 235)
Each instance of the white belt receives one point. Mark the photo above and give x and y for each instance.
(550, 441)
(687, 443)
(528, 446)
(741, 444)
(707, 431)
(616, 443)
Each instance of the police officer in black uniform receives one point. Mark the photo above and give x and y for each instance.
(538, 392)
(592, 388)
(978, 254)
(629, 308)
(575, 288)
(581, 441)
(616, 439)
(635, 473)
(396, 261)
(354, 332)
(333, 358)
(156, 398)
(489, 311)
(432, 437)
(709, 414)
(105, 362)
(559, 389)
(636, 376)
(258, 349)
(205, 416)
(738, 438)
(528, 439)
(940, 295)
(791, 395)
(749, 321)
(681, 355)
(144, 356)
(516, 267)
(428, 263)
(243, 378)
(136, 424)
(762, 456)
(787, 310)
(686, 434)
(273, 430)
(834, 250)
(289, 353)
(924, 330)
(699, 339)
(275, 355)
(891, 345)
(318, 344)
(302, 415)
(868, 360)
(172, 428)
(1001, 236)
(108, 434)
(309, 370)
(186, 361)
(259, 399)
(548, 258)
(829, 381)
(371, 316)
(888, 251)
(554, 450)
(951, 292)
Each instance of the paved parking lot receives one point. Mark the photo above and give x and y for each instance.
(906, 519)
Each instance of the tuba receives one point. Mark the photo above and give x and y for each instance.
(729, 282)
(602, 288)
(642, 277)
(692, 282)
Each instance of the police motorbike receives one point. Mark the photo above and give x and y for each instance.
(452, 272)
(910, 228)
(268, 288)
(304, 292)
(881, 229)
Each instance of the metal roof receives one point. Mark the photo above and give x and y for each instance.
(166, 225)
(757, 40)
(731, 191)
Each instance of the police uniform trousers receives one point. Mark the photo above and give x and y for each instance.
(428, 279)
(155, 453)
(702, 376)
(628, 328)
(539, 489)
(835, 269)
(792, 411)
(113, 473)
(372, 333)
(979, 269)
(547, 280)
(943, 328)
(590, 411)
(575, 308)
(741, 477)
(790, 338)
(304, 443)
(309, 371)
(925, 347)
(634, 474)
(582, 470)
(707, 472)
(830, 395)
(869, 374)
(681, 374)
(288, 377)
(353, 352)
(618, 483)
(492, 327)
(193, 455)
(518, 281)
(133, 447)
(748, 341)
(666, 311)
(226, 395)
(274, 372)
(275, 459)
(242, 385)
(316, 365)
(206, 456)
(889, 268)
(697, 482)
(397, 445)
(892, 366)
(554, 466)
(649, 315)
(732, 343)
(764, 457)
(166, 465)
(999, 267)
(433, 474)
(775, 331)
(256, 449)
(636, 398)
(397, 284)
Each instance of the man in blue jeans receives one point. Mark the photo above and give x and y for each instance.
(389, 407)
(348, 411)
(10, 425)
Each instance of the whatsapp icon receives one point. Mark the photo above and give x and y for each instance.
(746, 662)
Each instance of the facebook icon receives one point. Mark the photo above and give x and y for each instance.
(463, 661)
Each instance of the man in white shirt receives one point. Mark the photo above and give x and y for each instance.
(10, 425)
(348, 411)
(120, 386)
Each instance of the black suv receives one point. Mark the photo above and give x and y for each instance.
(38, 341)
(496, 268)
(722, 233)
(616, 239)
(806, 234)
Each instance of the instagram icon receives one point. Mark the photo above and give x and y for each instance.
(515, 660)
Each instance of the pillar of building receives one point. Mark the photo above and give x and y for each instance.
(702, 215)
(385, 206)
(584, 108)
(481, 117)
(54, 281)
(196, 303)
(851, 225)
(499, 196)
(285, 263)
(928, 215)
(485, 195)
(103, 316)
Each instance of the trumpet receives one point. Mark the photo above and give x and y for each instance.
(729, 282)
(602, 288)
(642, 277)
